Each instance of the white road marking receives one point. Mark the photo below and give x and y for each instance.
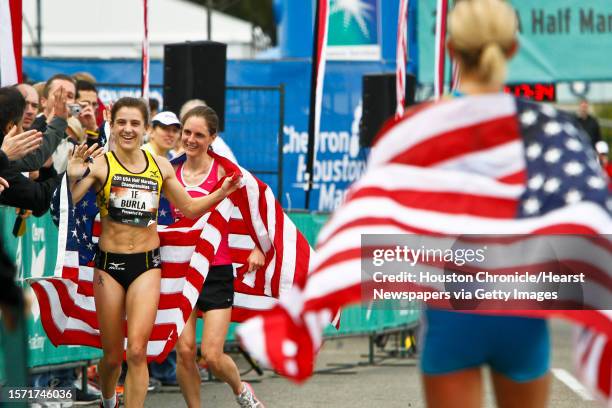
(573, 384)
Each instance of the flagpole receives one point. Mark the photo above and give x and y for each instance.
(316, 90)
(402, 49)
(440, 47)
(144, 80)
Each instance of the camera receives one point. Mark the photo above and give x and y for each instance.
(75, 109)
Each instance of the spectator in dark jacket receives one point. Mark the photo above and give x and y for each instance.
(588, 122)
(23, 192)
(15, 145)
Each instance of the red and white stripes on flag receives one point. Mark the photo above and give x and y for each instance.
(10, 42)
(145, 53)
(593, 361)
(252, 215)
(451, 169)
(440, 47)
(401, 54)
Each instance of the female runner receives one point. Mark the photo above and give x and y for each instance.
(127, 270)
(198, 174)
(483, 37)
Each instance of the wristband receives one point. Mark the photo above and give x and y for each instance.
(85, 174)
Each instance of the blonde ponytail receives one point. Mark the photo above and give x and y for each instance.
(492, 65)
(482, 33)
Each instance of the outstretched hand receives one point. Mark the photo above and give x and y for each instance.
(231, 184)
(16, 145)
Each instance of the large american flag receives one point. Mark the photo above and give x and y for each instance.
(252, 215)
(488, 164)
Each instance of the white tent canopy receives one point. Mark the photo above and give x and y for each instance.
(114, 28)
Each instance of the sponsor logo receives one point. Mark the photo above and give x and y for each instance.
(118, 266)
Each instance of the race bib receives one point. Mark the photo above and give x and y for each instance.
(133, 200)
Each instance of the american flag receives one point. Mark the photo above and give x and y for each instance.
(252, 215)
(488, 164)
(593, 361)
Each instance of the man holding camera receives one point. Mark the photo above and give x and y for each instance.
(87, 99)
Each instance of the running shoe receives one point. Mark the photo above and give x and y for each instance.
(154, 384)
(85, 398)
(247, 398)
(116, 403)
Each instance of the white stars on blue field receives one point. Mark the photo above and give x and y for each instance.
(561, 168)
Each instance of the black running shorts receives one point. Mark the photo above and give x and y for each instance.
(218, 289)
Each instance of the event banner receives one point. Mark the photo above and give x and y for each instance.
(560, 40)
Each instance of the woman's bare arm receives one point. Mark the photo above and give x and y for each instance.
(193, 207)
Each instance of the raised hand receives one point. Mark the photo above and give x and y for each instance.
(87, 117)
(60, 107)
(80, 158)
(106, 113)
(16, 145)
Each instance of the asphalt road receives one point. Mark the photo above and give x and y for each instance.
(390, 383)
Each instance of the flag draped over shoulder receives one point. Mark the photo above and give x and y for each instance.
(251, 214)
(257, 217)
(488, 164)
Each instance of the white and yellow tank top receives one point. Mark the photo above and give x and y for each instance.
(130, 198)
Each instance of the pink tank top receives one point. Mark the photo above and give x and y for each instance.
(209, 181)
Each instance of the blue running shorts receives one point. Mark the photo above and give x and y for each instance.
(516, 347)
